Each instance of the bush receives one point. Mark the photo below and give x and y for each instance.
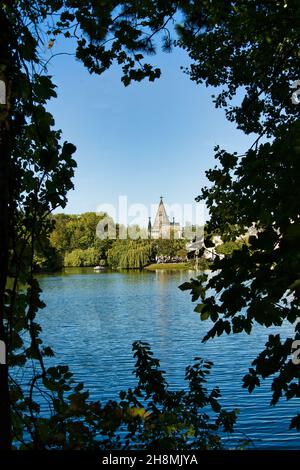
(82, 258)
(48, 260)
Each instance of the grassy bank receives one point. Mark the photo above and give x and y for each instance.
(170, 266)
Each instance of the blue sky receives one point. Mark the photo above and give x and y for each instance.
(143, 141)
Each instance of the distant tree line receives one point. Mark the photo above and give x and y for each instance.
(73, 242)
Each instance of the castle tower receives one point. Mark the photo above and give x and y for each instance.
(161, 223)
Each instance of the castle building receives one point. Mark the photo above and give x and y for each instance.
(162, 227)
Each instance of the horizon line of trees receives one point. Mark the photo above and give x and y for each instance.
(73, 242)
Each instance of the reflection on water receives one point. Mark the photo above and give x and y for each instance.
(92, 319)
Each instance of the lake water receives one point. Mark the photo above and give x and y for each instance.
(91, 320)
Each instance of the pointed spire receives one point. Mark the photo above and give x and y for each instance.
(161, 221)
